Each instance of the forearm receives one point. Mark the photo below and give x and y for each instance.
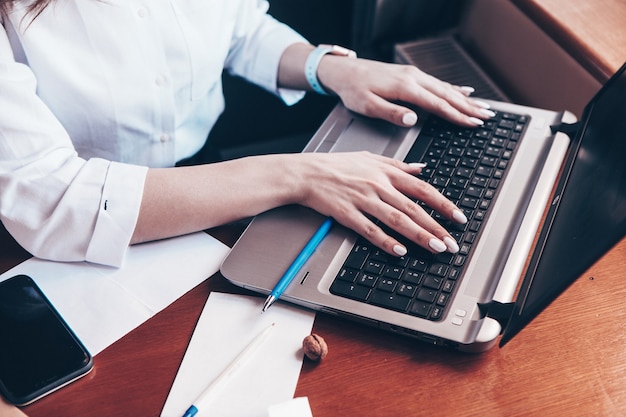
(291, 67)
(187, 199)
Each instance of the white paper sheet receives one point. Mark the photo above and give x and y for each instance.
(269, 377)
(298, 407)
(102, 304)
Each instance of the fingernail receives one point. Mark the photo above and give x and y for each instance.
(476, 121)
(487, 113)
(409, 119)
(459, 217)
(482, 104)
(437, 245)
(399, 250)
(467, 89)
(417, 165)
(451, 244)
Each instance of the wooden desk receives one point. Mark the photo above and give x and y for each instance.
(570, 361)
(592, 31)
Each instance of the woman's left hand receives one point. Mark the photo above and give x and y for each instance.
(383, 90)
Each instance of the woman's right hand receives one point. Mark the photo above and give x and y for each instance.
(354, 188)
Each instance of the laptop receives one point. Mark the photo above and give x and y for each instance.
(545, 195)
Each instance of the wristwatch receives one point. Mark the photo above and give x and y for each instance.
(314, 58)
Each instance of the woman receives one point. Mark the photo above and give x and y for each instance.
(100, 99)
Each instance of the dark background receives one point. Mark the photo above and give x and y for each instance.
(256, 122)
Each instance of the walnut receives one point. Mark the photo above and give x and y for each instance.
(315, 347)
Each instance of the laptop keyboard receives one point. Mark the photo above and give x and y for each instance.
(467, 166)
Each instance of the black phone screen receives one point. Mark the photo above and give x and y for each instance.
(38, 351)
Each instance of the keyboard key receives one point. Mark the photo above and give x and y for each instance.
(480, 182)
(433, 282)
(454, 273)
(439, 181)
(391, 301)
(406, 290)
(439, 270)
(427, 294)
(374, 267)
(453, 194)
(469, 202)
(469, 162)
(417, 264)
(489, 161)
(442, 300)
(436, 313)
(392, 272)
(448, 286)
(367, 280)
(357, 256)
(444, 258)
(387, 285)
(412, 277)
(353, 291)
(379, 255)
(347, 274)
(419, 309)
(473, 191)
(459, 182)
(464, 172)
(484, 171)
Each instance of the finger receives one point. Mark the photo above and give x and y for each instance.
(449, 105)
(365, 227)
(466, 90)
(425, 192)
(373, 105)
(444, 99)
(404, 225)
(407, 184)
(457, 97)
(408, 218)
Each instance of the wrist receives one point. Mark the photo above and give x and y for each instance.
(313, 62)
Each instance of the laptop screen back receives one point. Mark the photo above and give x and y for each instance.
(588, 213)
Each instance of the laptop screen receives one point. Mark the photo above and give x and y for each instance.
(588, 212)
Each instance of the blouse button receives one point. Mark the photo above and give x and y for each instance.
(159, 81)
(142, 12)
(165, 137)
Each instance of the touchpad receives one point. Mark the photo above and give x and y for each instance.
(363, 134)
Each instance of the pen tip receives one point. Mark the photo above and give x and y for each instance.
(268, 302)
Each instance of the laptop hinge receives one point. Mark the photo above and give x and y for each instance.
(500, 312)
(570, 129)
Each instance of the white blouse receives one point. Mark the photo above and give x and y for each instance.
(92, 92)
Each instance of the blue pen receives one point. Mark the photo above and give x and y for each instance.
(302, 257)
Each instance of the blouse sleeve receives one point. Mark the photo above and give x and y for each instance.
(55, 204)
(257, 46)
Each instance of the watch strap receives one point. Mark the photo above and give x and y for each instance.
(313, 61)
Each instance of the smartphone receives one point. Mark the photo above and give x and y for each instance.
(39, 353)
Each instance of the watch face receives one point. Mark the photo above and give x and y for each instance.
(340, 50)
